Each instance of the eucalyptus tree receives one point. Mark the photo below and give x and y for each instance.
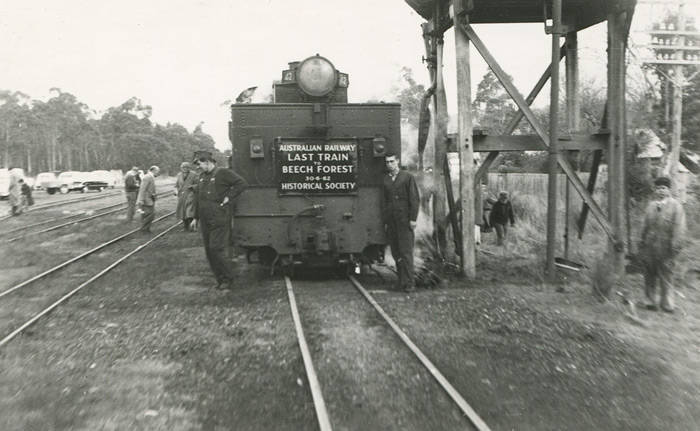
(13, 108)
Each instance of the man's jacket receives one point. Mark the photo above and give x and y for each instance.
(147, 191)
(401, 199)
(213, 187)
(501, 213)
(132, 182)
(663, 232)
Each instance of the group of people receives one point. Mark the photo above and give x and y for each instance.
(20, 197)
(205, 195)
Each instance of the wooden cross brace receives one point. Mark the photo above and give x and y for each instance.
(525, 111)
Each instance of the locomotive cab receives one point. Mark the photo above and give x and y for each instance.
(314, 164)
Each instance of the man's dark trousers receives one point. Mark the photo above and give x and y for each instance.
(149, 213)
(213, 223)
(401, 240)
(131, 205)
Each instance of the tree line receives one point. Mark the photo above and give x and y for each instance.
(63, 133)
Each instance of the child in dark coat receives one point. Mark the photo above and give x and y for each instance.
(27, 199)
(501, 214)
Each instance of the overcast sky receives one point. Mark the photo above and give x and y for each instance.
(186, 57)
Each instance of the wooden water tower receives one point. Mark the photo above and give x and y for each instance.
(563, 19)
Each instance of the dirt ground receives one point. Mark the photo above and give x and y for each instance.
(152, 346)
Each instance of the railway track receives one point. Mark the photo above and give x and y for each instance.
(69, 220)
(473, 421)
(14, 333)
(65, 202)
(101, 195)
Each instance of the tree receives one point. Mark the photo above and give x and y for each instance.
(13, 107)
(492, 107)
(409, 95)
(64, 133)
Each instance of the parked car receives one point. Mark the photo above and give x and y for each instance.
(106, 176)
(71, 181)
(95, 181)
(47, 181)
(5, 176)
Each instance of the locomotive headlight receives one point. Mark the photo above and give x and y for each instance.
(316, 76)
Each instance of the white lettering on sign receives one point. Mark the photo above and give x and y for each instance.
(335, 169)
(300, 147)
(297, 169)
(329, 167)
(340, 147)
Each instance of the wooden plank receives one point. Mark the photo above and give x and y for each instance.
(518, 99)
(616, 146)
(440, 149)
(597, 157)
(494, 143)
(465, 146)
(573, 117)
(452, 215)
(553, 145)
(513, 123)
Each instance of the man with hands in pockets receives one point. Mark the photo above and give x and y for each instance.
(216, 191)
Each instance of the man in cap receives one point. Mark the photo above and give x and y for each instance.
(216, 192)
(132, 182)
(146, 200)
(501, 213)
(401, 202)
(185, 185)
(662, 238)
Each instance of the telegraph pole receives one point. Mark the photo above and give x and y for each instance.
(675, 46)
(679, 78)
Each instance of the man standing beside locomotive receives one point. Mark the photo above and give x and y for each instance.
(146, 200)
(218, 187)
(401, 202)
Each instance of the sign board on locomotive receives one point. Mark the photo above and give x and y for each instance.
(317, 167)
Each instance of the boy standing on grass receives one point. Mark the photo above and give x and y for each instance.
(501, 213)
(662, 238)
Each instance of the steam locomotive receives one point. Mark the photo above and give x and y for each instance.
(314, 164)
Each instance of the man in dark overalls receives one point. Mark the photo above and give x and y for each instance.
(217, 188)
(400, 205)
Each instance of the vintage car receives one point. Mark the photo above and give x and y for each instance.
(47, 181)
(96, 181)
(106, 176)
(80, 181)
